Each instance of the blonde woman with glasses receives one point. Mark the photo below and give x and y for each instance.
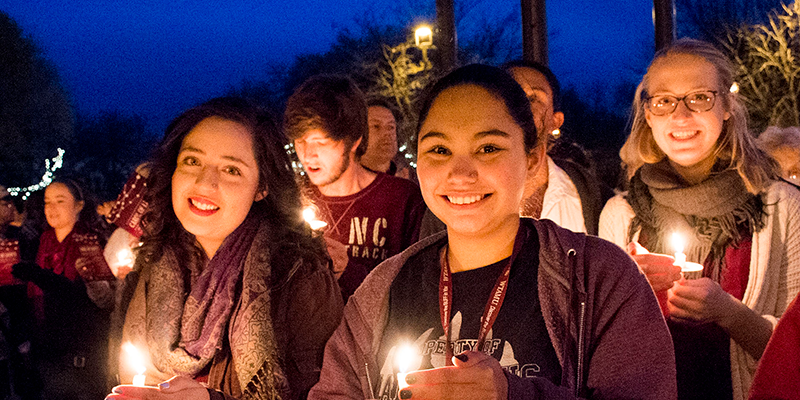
(694, 170)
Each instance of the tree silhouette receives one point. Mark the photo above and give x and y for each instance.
(35, 114)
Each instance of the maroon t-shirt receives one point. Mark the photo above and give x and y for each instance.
(374, 224)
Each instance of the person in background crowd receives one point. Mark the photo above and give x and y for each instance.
(783, 145)
(370, 215)
(126, 214)
(72, 297)
(565, 315)
(560, 190)
(381, 154)
(695, 171)
(16, 322)
(12, 217)
(778, 372)
(234, 298)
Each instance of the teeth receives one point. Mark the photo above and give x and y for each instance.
(203, 206)
(465, 199)
(683, 134)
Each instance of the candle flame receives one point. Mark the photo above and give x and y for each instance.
(134, 358)
(124, 257)
(405, 356)
(310, 215)
(677, 242)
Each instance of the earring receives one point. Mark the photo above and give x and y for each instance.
(556, 133)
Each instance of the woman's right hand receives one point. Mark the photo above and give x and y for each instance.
(177, 388)
(658, 268)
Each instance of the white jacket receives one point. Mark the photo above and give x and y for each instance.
(562, 203)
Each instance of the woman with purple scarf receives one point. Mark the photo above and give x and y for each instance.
(231, 296)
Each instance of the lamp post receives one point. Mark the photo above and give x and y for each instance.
(423, 38)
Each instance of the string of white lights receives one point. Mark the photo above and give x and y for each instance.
(50, 166)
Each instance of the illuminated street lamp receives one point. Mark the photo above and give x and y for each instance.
(423, 37)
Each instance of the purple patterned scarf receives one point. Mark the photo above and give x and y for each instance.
(186, 328)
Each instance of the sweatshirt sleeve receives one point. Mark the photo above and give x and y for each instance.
(629, 352)
(536, 388)
(338, 379)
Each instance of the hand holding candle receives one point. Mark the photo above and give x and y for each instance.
(659, 269)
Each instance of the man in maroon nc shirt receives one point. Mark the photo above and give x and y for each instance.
(373, 215)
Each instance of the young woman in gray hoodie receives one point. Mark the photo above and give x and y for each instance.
(496, 307)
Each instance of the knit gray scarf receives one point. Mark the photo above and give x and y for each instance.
(710, 215)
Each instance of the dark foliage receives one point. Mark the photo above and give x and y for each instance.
(35, 113)
(106, 150)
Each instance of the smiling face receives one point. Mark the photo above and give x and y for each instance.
(324, 159)
(472, 161)
(382, 136)
(61, 209)
(688, 138)
(216, 181)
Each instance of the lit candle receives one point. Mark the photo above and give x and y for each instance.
(137, 362)
(678, 244)
(310, 215)
(405, 356)
(125, 258)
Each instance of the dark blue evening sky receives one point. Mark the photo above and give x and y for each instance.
(156, 58)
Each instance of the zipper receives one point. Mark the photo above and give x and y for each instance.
(571, 255)
(579, 375)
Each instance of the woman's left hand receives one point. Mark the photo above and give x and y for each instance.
(475, 375)
(177, 388)
(701, 300)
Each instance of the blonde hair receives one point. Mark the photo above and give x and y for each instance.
(735, 143)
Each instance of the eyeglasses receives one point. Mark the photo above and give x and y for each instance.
(700, 101)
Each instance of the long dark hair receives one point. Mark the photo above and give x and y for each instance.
(281, 206)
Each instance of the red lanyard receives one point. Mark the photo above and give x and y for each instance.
(493, 305)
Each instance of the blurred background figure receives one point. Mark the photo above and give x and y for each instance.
(72, 296)
(16, 377)
(561, 189)
(783, 144)
(381, 154)
(126, 215)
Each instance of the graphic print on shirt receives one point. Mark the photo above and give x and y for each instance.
(431, 354)
(367, 238)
